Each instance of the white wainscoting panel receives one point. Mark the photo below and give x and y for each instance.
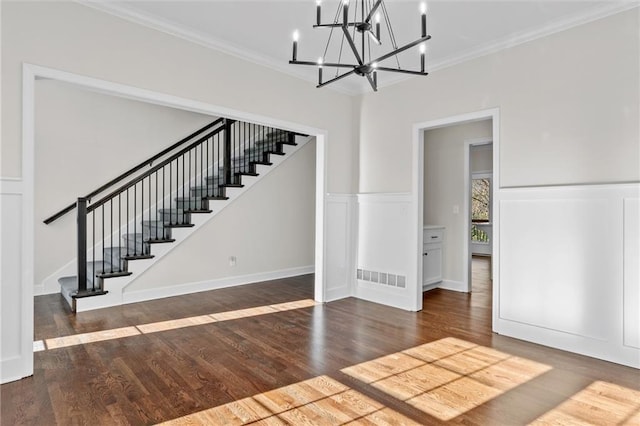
(632, 272)
(562, 280)
(383, 259)
(341, 234)
(16, 354)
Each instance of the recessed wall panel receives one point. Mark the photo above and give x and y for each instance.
(557, 268)
(631, 272)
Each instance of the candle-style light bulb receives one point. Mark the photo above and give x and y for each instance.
(423, 49)
(377, 18)
(423, 18)
(296, 35)
(318, 11)
(320, 61)
(345, 12)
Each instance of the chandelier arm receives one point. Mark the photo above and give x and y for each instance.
(402, 71)
(350, 24)
(327, 64)
(373, 11)
(373, 84)
(401, 49)
(353, 46)
(337, 78)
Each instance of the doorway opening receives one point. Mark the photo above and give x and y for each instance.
(443, 187)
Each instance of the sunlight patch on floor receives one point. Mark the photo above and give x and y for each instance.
(598, 404)
(317, 401)
(118, 333)
(447, 377)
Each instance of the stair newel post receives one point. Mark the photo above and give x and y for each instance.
(82, 244)
(227, 151)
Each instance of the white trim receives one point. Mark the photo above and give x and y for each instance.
(28, 194)
(10, 185)
(224, 46)
(181, 289)
(453, 286)
(320, 292)
(31, 72)
(605, 343)
(159, 24)
(466, 207)
(417, 196)
(384, 197)
(343, 286)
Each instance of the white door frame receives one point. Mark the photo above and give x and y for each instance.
(31, 73)
(418, 198)
(468, 144)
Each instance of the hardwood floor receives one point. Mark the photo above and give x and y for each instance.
(266, 354)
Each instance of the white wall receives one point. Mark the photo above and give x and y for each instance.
(16, 346)
(270, 228)
(75, 38)
(568, 107)
(85, 139)
(71, 37)
(481, 158)
(444, 187)
(568, 114)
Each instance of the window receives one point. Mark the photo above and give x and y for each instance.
(480, 208)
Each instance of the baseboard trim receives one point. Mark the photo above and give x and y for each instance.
(40, 290)
(196, 287)
(453, 285)
(11, 369)
(427, 287)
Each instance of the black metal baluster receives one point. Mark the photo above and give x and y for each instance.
(156, 213)
(141, 213)
(227, 152)
(81, 206)
(183, 203)
(149, 206)
(110, 233)
(127, 233)
(135, 220)
(93, 286)
(119, 232)
(93, 239)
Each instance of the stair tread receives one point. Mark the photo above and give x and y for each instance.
(198, 211)
(161, 240)
(115, 274)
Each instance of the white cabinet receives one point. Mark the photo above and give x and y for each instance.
(433, 240)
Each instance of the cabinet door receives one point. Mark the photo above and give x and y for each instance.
(432, 265)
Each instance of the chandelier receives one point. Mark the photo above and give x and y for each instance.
(359, 34)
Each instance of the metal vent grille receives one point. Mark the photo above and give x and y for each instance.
(382, 278)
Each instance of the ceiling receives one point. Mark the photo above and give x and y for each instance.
(261, 30)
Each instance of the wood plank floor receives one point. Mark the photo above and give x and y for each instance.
(266, 354)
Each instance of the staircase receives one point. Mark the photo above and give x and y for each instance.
(145, 207)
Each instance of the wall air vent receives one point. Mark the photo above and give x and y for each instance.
(382, 278)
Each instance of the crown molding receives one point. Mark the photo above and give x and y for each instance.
(611, 8)
(167, 27)
(141, 18)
